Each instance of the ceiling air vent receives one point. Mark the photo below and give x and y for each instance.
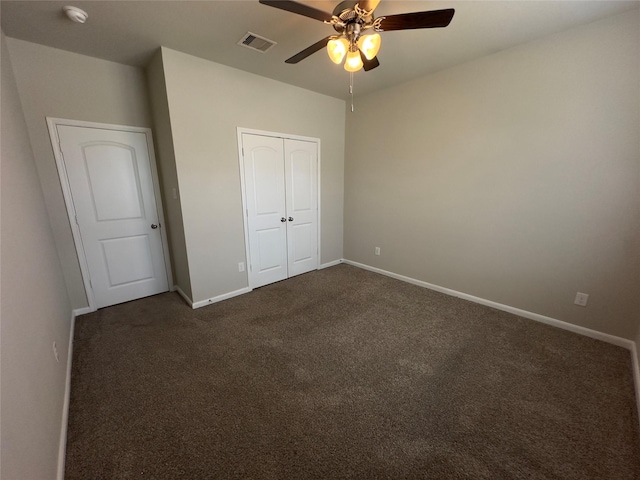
(256, 42)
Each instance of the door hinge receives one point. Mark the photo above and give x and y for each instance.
(90, 284)
(77, 220)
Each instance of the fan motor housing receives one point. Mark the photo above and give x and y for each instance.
(344, 7)
(350, 19)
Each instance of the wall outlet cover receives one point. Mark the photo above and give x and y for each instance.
(581, 299)
(55, 352)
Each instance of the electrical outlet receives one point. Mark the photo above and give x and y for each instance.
(241, 266)
(55, 352)
(377, 252)
(581, 299)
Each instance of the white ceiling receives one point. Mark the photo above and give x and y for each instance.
(130, 31)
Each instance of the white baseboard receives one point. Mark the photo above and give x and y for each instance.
(621, 342)
(184, 296)
(330, 264)
(62, 447)
(82, 311)
(587, 332)
(235, 293)
(219, 298)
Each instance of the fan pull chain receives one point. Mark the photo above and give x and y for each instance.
(351, 89)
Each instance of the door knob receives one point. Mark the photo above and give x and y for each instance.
(291, 219)
(154, 226)
(283, 219)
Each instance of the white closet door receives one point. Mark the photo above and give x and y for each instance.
(112, 189)
(301, 171)
(266, 211)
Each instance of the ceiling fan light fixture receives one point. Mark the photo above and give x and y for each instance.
(370, 45)
(337, 48)
(353, 62)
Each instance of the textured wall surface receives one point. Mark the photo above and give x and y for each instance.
(514, 178)
(207, 102)
(55, 83)
(35, 307)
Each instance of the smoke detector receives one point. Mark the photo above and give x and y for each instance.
(75, 14)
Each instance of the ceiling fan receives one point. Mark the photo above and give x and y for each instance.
(354, 22)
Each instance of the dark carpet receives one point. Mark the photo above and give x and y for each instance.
(343, 373)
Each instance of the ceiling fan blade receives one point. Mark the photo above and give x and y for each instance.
(309, 50)
(368, 5)
(299, 8)
(369, 64)
(409, 21)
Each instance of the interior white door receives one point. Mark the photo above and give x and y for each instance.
(266, 208)
(112, 190)
(281, 197)
(301, 173)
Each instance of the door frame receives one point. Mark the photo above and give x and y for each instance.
(285, 136)
(52, 124)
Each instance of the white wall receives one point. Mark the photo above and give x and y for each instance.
(35, 307)
(514, 178)
(56, 83)
(206, 103)
(168, 174)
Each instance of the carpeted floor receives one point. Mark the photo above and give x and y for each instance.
(343, 373)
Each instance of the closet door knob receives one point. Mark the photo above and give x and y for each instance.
(291, 219)
(283, 219)
(154, 226)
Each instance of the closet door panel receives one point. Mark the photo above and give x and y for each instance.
(301, 170)
(266, 208)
